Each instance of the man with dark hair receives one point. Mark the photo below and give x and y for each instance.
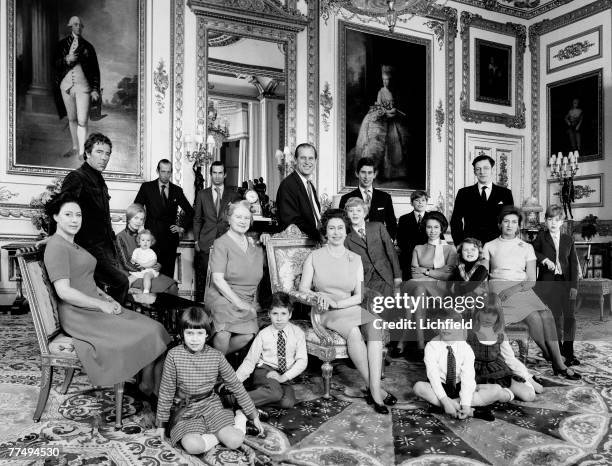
(296, 198)
(379, 202)
(411, 232)
(96, 234)
(477, 206)
(161, 199)
(210, 220)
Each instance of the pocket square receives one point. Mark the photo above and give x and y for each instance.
(500, 203)
(380, 208)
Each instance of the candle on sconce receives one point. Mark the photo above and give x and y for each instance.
(200, 129)
(552, 160)
(199, 138)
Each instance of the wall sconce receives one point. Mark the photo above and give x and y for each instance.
(564, 168)
(202, 155)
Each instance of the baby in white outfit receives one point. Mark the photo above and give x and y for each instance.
(145, 257)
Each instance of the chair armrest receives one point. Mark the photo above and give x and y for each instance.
(310, 299)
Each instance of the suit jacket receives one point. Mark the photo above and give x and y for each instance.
(409, 235)
(377, 253)
(159, 217)
(381, 208)
(207, 224)
(544, 248)
(88, 60)
(474, 218)
(294, 208)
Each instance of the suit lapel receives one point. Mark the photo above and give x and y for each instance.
(224, 201)
(208, 198)
(358, 240)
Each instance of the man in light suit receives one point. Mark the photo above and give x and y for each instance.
(210, 220)
(379, 202)
(161, 199)
(296, 199)
(478, 206)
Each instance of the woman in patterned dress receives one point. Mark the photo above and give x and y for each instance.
(236, 265)
(512, 276)
(112, 343)
(191, 371)
(337, 276)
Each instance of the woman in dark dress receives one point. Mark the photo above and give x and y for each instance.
(112, 343)
(126, 243)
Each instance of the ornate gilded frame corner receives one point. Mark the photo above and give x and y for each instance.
(519, 32)
(342, 149)
(31, 170)
(535, 31)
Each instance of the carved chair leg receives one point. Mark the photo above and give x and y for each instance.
(68, 373)
(326, 371)
(45, 386)
(420, 334)
(118, 405)
(384, 362)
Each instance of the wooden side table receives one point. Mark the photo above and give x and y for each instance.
(20, 304)
(599, 287)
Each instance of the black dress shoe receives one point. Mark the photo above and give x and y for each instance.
(571, 361)
(264, 416)
(381, 409)
(484, 413)
(568, 373)
(252, 430)
(390, 400)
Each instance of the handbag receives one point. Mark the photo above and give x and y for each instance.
(180, 404)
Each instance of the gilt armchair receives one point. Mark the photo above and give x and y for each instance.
(56, 348)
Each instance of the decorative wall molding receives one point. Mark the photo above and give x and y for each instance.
(177, 70)
(535, 32)
(468, 21)
(438, 29)
(526, 9)
(6, 194)
(229, 68)
(17, 211)
(313, 72)
(161, 81)
(327, 103)
(439, 120)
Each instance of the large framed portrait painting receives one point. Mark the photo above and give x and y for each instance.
(75, 67)
(493, 72)
(384, 94)
(575, 116)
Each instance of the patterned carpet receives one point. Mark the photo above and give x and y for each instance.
(568, 424)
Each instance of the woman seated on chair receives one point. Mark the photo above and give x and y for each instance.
(236, 266)
(512, 276)
(112, 343)
(126, 244)
(337, 275)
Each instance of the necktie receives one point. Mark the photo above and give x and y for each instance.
(483, 194)
(361, 232)
(419, 218)
(164, 195)
(218, 199)
(451, 368)
(368, 198)
(556, 240)
(281, 352)
(312, 204)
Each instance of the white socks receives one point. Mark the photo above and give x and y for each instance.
(210, 441)
(240, 421)
(510, 394)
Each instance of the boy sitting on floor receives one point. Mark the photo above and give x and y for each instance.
(277, 355)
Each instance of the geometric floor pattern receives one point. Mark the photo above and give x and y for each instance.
(568, 424)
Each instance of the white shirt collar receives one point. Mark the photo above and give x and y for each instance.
(489, 186)
(303, 178)
(366, 190)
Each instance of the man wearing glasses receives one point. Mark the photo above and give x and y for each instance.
(477, 206)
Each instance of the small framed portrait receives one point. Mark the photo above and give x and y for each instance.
(587, 191)
(493, 72)
(575, 116)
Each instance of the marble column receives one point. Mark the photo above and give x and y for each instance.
(39, 97)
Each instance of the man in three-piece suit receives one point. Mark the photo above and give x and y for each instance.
(557, 283)
(161, 199)
(477, 206)
(296, 199)
(210, 220)
(379, 202)
(410, 232)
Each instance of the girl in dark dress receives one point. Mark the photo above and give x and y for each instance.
(112, 343)
(470, 273)
(494, 358)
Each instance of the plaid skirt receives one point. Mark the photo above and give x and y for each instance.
(489, 364)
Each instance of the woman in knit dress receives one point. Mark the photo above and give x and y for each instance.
(126, 244)
(236, 265)
(112, 343)
(337, 275)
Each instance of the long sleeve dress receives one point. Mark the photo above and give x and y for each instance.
(194, 373)
(112, 348)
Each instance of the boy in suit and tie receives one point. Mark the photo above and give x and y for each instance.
(380, 204)
(558, 278)
(210, 220)
(161, 199)
(410, 233)
(277, 355)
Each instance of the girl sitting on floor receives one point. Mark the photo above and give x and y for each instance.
(495, 362)
(190, 372)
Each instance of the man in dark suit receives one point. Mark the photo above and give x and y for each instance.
(210, 221)
(379, 202)
(477, 206)
(96, 234)
(410, 233)
(557, 283)
(161, 199)
(296, 199)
